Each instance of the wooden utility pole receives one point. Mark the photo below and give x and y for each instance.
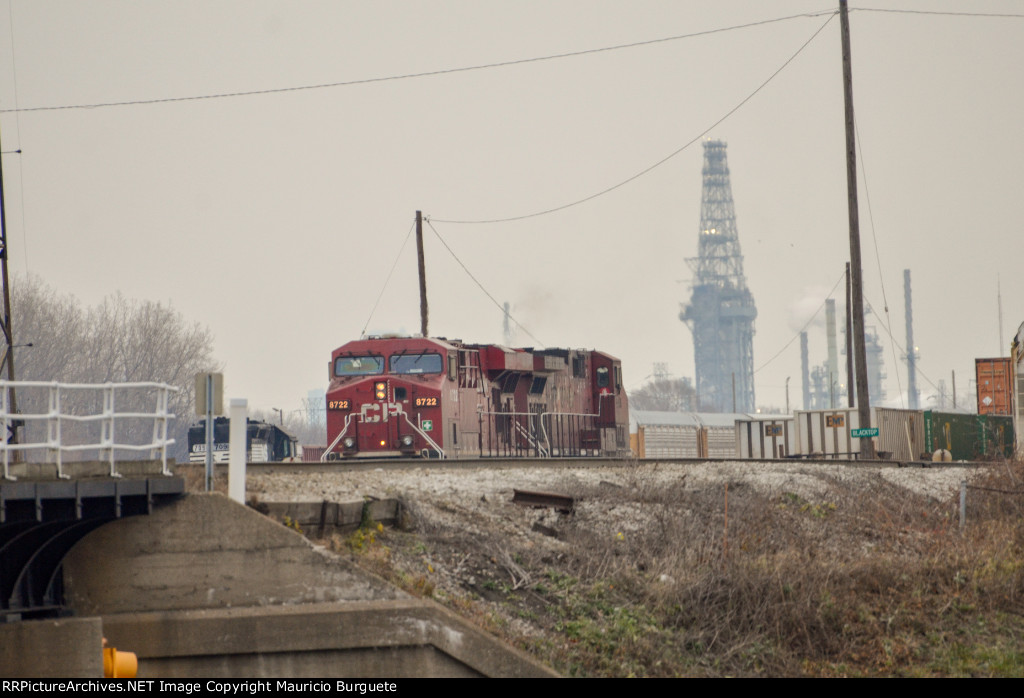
(850, 402)
(8, 358)
(423, 273)
(867, 446)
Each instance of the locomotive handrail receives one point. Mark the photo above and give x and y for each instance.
(440, 451)
(108, 418)
(524, 432)
(570, 414)
(327, 451)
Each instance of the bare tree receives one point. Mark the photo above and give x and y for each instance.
(308, 424)
(119, 340)
(665, 394)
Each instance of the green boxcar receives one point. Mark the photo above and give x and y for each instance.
(969, 436)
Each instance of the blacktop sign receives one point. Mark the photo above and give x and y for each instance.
(861, 433)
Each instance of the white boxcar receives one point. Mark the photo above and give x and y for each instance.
(719, 433)
(666, 434)
(828, 432)
(900, 434)
(765, 437)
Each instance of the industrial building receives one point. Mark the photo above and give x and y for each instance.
(721, 310)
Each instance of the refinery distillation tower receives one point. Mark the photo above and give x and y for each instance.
(721, 310)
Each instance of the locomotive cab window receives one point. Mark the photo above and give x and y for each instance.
(453, 366)
(358, 365)
(416, 363)
(602, 377)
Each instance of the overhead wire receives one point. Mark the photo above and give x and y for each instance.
(806, 324)
(410, 76)
(480, 285)
(660, 162)
(878, 259)
(386, 280)
(899, 346)
(938, 12)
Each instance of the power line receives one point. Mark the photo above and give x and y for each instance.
(936, 12)
(410, 76)
(899, 346)
(465, 269)
(665, 159)
(382, 288)
(806, 325)
(878, 258)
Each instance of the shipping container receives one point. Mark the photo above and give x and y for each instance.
(900, 434)
(969, 436)
(770, 437)
(994, 386)
(828, 432)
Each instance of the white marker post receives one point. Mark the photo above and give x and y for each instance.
(237, 413)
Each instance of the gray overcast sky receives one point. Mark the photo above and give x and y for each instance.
(274, 218)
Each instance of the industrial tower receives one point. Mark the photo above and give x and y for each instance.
(721, 310)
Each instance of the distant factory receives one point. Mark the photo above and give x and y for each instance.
(825, 386)
(721, 310)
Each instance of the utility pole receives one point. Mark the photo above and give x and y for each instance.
(850, 402)
(423, 273)
(8, 334)
(867, 446)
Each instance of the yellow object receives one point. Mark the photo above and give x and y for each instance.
(119, 665)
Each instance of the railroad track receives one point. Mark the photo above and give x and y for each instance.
(401, 464)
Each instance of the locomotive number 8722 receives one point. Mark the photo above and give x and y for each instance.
(441, 398)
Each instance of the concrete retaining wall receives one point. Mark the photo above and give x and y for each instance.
(52, 649)
(401, 638)
(208, 587)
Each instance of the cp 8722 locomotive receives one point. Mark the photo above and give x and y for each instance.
(441, 398)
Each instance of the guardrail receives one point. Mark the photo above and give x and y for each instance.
(108, 418)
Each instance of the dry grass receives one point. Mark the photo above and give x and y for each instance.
(734, 580)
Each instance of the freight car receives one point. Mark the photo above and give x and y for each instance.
(442, 398)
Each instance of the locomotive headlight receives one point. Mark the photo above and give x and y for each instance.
(380, 390)
(407, 440)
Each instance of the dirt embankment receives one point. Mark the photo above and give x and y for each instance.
(705, 569)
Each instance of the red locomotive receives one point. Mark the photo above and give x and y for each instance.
(435, 397)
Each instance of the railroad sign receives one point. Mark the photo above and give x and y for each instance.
(861, 433)
(835, 420)
(773, 430)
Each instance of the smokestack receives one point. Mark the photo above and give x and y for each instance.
(507, 327)
(912, 398)
(833, 352)
(805, 371)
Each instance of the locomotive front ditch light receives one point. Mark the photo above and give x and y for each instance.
(349, 442)
(407, 440)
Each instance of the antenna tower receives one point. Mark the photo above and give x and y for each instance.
(721, 310)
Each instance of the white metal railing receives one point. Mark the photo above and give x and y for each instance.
(108, 419)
